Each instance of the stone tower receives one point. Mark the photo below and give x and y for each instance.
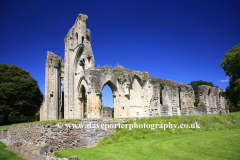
(78, 58)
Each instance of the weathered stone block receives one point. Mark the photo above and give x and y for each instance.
(73, 158)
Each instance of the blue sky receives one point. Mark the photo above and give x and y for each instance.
(178, 40)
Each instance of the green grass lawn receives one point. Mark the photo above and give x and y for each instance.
(212, 122)
(217, 138)
(7, 155)
(224, 144)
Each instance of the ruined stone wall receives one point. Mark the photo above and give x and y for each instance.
(135, 93)
(175, 97)
(187, 99)
(211, 100)
(3, 134)
(132, 92)
(45, 137)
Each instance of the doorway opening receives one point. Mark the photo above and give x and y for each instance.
(108, 96)
(84, 101)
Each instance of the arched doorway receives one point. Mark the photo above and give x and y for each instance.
(107, 99)
(83, 99)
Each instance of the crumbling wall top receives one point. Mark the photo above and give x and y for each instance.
(185, 87)
(80, 17)
(204, 89)
(164, 82)
(123, 73)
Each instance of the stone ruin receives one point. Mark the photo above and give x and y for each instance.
(135, 93)
(107, 112)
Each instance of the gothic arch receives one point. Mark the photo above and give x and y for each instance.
(77, 57)
(81, 91)
(111, 85)
(82, 81)
(209, 92)
(138, 79)
(76, 35)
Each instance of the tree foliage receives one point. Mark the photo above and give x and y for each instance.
(19, 92)
(195, 85)
(231, 65)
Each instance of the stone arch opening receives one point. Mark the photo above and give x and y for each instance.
(108, 95)
(221, 95)
(209, 92)
(76, 38)
(111, 85)
(83, 90)
(210, 101)
(179, 96)
(107, 102)
(82, 39)
(161, 97)
(77, 59)
(83, 99)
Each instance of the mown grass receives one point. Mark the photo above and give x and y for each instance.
(224, 144)
(217, 138)
(211, 122)
(7, 155)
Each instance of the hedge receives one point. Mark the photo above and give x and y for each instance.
(20, 119)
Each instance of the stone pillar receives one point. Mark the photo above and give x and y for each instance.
(51, 107)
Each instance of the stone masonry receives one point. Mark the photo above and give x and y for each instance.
(211, 100)
(39, 140)
(107, 112)
(135, 93)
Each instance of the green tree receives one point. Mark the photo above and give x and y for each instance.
(195, 85)
(19, 92)
(231, 65)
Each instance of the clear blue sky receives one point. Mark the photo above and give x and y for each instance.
(171, 39)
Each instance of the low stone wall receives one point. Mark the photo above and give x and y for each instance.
(3, 134)
(107, 112)
(39, 140)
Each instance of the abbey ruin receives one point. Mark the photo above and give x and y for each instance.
(135, 93)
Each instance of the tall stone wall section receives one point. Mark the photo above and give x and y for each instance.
(78, 58)
(211, 100)
(52, 106)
